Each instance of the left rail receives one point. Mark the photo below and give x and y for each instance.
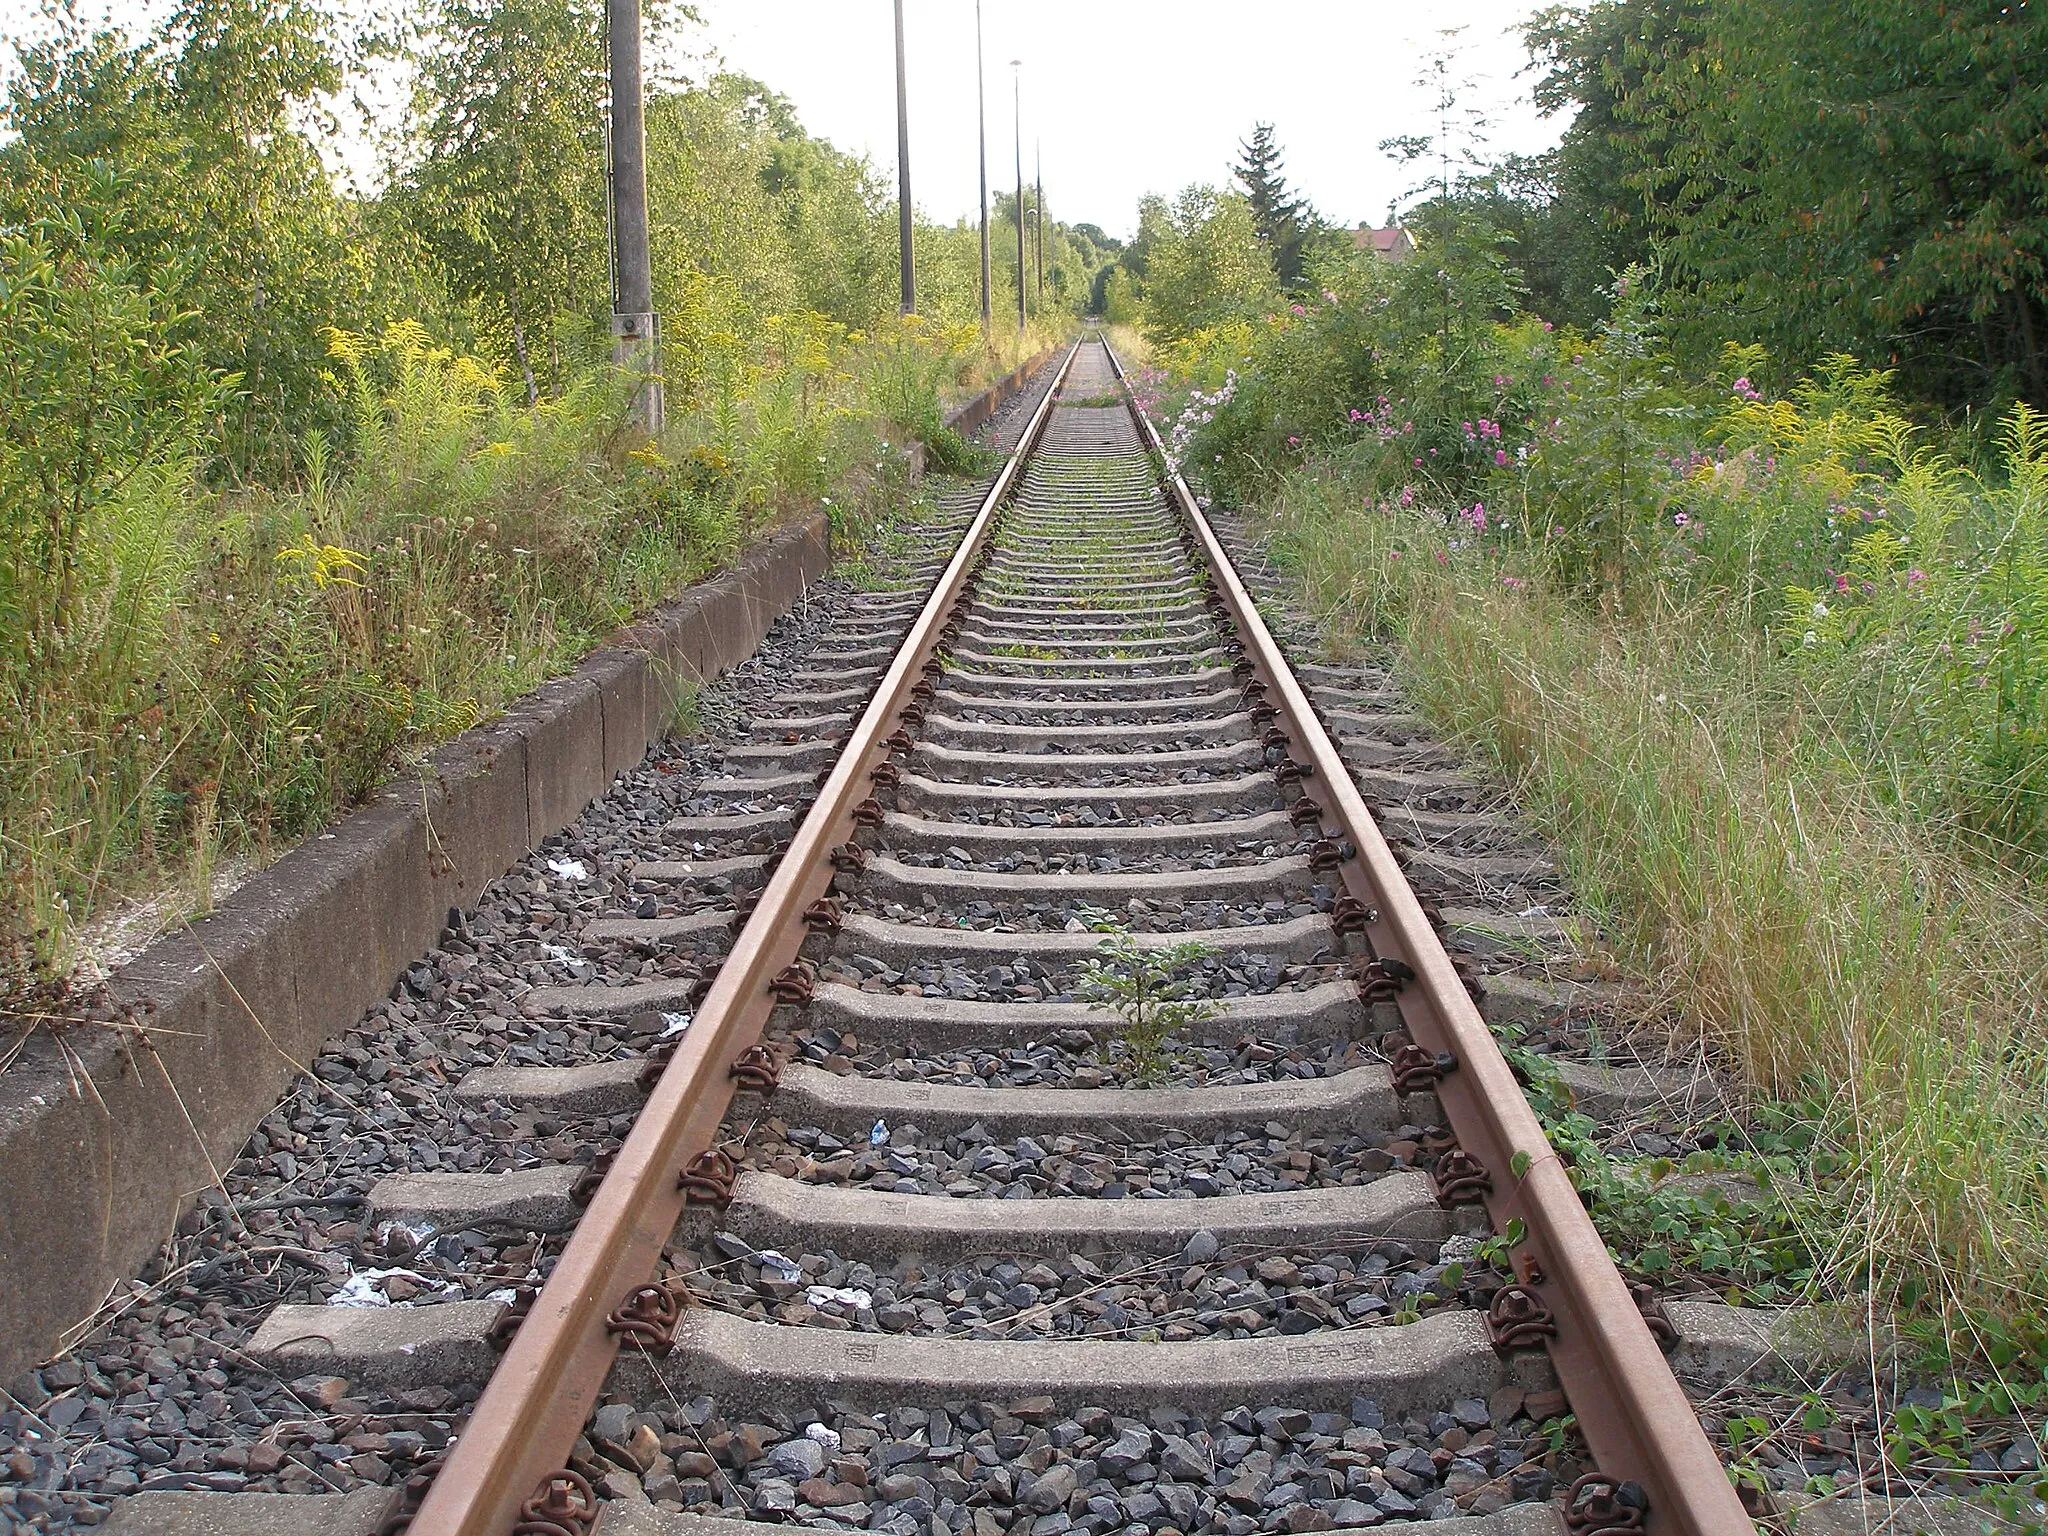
(535, 1405)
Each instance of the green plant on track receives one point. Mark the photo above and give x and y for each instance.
(1149, 988)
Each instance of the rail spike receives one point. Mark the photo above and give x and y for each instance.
(710, 1178)
(757, 1068)
(1598, 1505)
(398, 1520)
(793, 984)
(1381, 979)
(1417, 1069)
(1518, 1318)
(1350, 915)
(648, 1319)
(563, 1505)
(506, 1328)
(1460, 1177)
(584, 1190)
(1651, 1305)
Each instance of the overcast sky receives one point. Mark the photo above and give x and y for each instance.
(1134, 96)
(1126, 96)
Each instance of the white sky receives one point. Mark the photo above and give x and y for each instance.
(1126, 96)
(1134, 96)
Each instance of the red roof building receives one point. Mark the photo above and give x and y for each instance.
(1393, 242)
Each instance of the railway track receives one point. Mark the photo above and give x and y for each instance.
(842, 1204)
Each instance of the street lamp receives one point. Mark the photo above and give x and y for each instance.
(904, 256)
(1038, 218)
(1017, 77)
(981, 123)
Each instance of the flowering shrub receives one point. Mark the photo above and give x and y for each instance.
(1911, 589)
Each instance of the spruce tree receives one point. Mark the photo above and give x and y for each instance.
(1283, 216)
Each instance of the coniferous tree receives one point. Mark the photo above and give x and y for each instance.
(1285, 220)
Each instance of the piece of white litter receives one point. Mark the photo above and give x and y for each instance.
(364, 1288)
(784, 1266)
(556, 952)
(846, 1296)
(823, 1434)
(507, 1296)
(1534, 912)
(418, 1231)
(569, 869)
(674, 1023)
(878, 1133)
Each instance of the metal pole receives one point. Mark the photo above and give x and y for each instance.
(1038, 218)
(1017, 77)
(903, 241)
(636, 329)
(981, 122)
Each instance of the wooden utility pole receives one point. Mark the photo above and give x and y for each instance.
(981, 123)
(1017, 79)
(905, 261)
(636, 328)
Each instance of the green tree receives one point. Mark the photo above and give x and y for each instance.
(97, 387)
(1207, 268)
(1826, 177)
(512, 184)
(215, 181)
(1283, 217)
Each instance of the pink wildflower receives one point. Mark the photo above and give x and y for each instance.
(1500, 456)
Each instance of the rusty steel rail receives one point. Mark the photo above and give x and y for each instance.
(1634, 1415)
(508, 1463)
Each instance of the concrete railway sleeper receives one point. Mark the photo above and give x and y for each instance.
(756, 1150)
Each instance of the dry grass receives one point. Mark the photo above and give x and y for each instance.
(1844, 955)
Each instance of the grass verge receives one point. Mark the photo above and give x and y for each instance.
(1876, 987)
(232, 666)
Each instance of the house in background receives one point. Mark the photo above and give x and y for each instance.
(1394, 242)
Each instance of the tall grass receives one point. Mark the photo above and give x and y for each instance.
(244, 663)
(1847, 956)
